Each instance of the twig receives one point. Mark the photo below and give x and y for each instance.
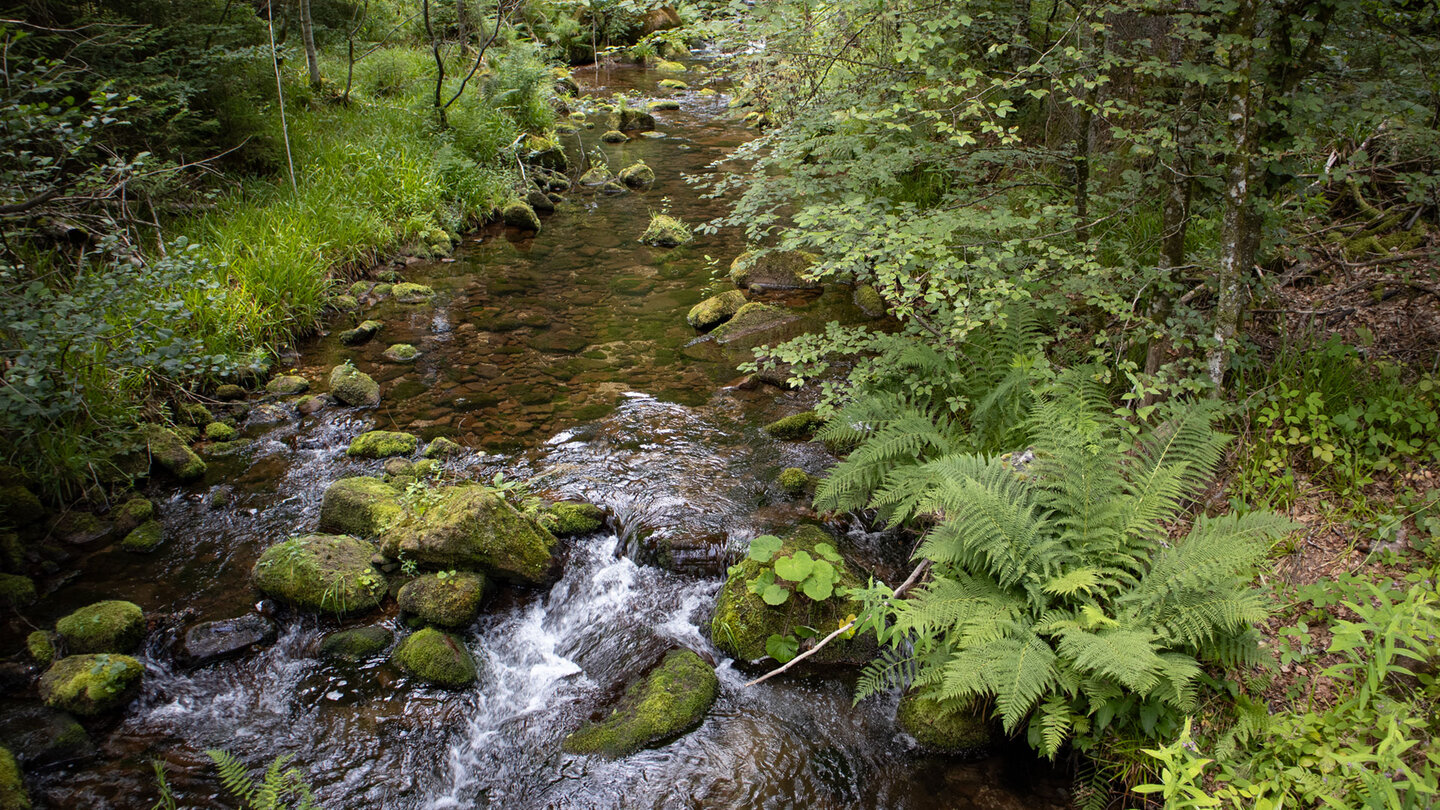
(909, 583)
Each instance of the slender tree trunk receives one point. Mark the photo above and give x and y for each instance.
(439, 64)
(1093, 46)
(460, 32)
(307, 33)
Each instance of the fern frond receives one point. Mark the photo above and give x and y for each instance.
(892, 669)
(1128, 656)
(998, 529)
(1016, 671)
(233, 774)
(1215, 549)
(1053, 721)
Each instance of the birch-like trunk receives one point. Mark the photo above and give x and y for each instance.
(307, 33)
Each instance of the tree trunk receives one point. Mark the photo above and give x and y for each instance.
(460, 32)
(307, 33)
(439, 64)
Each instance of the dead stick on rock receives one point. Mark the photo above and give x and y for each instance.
(909, 583)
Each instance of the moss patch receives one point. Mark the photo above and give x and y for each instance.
(354, 387)
(794, 481)
(12, 785)
(288, 385)
(519, 214)
(132, 513)
(467, 527)
(382, 444)
(361, 506)
(666, 231)
(357, 644)
(172, 453)
(41, 646)
(219, 432)
(409, 293)
(360, 334)
(775, 270)
(322, 572)
(88, 685)
(442, 447)
(637, 176)
(144, 538)
(570, 519)
(939, 726)
(754, 318)
(796, 427)
(113, 626)
(401, 353)
(715, 310)
(436, 657)
(668, 702)
(16, 590)
(447, 599)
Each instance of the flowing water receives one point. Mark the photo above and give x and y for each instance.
(565, 358)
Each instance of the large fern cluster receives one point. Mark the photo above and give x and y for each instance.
(1059, 596)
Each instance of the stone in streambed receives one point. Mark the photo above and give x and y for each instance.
(868, 299)
(144, 538)
(568, 519)
(113, 626)
(674, 84)
(172, 453)
(19, 506)
(212, 641)
(357, 644)
(332, 573)
(775, 270)
(666, 231)
(614, 136)
(382, 444)
(287, 385)
(13, 795)
(219, 432)
(597, 175)
(436, 657)
(401, 353)
(519, 214)
(666, 703)
(442, 447)
(129, 515)
(16, 590)
(469, 527)
(410, 293)
(664, 104)
(89, 685)
(715, 310)
(796, 427)
(794, 481)
(360, 506)
(41, 646)
(637, 176)
(939, 726)
(752, 319)
(540, 201)
(447, 599)
(40, 736)
(354, 387)
(360, 334)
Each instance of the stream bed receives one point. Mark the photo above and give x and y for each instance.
(563, 358)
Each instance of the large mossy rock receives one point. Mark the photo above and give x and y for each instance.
(436, 657)
(145, 538)
(796, 427)
(382, 444)
(743, 621)
(354, 387)
(637, 176)
(12, 783)
(519, 214)
(89, 685)
(754, 323)
(447, 599)
(569, 519)
(18, 505)
(357, 644)
(670, 701)
(775, 270)
(666, 231)
(715, 310)
(361, 506)
(469, 527)
(939, 727)
(17, 590)
(168, 450)
(113, 626)
(325, 572)
(288, 385)
(40, 736)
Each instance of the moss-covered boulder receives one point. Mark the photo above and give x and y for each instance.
(469, 527)
(442, 447)
(630, 119)
(410, 293)
(288, 385)
(743, 622)
(796, 427)
(12, 784)
(446, 599)
(360, 334)
(674, 84)
(794, 481)
(41, 647)
(168, 450)
(382, 444)
(144, 538)
(343, 302)
(715, 310)
(773, 270)
(664, 104)
(568, 519)
(637, 176)
(219, 432)
(333, 573)
(670, 701)
(40, 736)
(357, 644)
(868, 299)
(16, 590)
(401, 353)
(614, 136)
(229, 392)
(666, 231)
(597, 175)
(129, 515)
(942, 727)
(667, 66)
(519, 214)
(354, 387)
(112, 626)
(89, 685)
(360, 506)
(19, 506)
(436, 657)
(612, 188)
(754, 322)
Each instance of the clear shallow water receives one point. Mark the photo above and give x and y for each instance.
(600, 399)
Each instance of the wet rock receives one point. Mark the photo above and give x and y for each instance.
(613, 188)
(670, 701)
(343, 303)
(193, 414)
(360, 506)
(630, 119)
(89, 685)
(614, 136)
(442, 447)
(13, 795)
(308, 405)
(598, 175)
(447, 599)
(18, 505)
(227, 448)
(794, 481)
(753, 321)
(743, 621)
(172, 453)
(42, 737)
(774, 270)
(331, 573)
(408, 293)
(360, 334)
(112, 626)
(288, 385)
(354, 387)
(674, 84)
(666, 231)
(519, 214)
(144, 538)
(939, 726)
(208, 642)
(229, 393)
(357, 644)
(541, 202)
(382, 444)
(468, 527)
(664, 104)
(637, 176)
(666, 66)
(868, 299)
(41, 647)
(219, 432)
(436, 657)
(796, 427)
(401, 353)
(568, 519)
(16, 590)
(127, 516)
(715, 310)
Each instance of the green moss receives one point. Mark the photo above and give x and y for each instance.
(88, 685)
(598, 175)
(16, 590)
(868, 299)
(941, 726)
(12, 784)
(570, 519)
(666, 231)
(219, 432)
(794, 481)
(742, 621)
(132, 513)
(229, 392)
(382, 444)
(664, 104)
(637, 176)
(41, 646)
(12, 551)
(360, 334)
(775, 270)
(288, 385)
(715, 310)
(519, 214)
(113, 626)
(172, 453)
(442, 447)
(436, 657)
(796, 427)
(467, 527)
(357, 644)
(332, 573)
(226, 448)
(410, 293)
(666, 66)
(19, 506)
(144, 538)
(343, 303)
(401, 353)
(749, 320)
(674, 84)
(447, 599)
(194, 414)
(353, 386)
(668, 702)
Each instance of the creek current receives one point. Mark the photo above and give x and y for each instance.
(562, 358)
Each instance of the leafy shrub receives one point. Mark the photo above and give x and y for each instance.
(523, 86)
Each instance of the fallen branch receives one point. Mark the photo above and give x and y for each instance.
(909, 583)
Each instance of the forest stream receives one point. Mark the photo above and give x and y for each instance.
(562, 358)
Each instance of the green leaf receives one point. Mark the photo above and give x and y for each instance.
(775, 595)
(764, 548)
(828, 552)
(796, 567)
(818, 589)
(782, 648)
